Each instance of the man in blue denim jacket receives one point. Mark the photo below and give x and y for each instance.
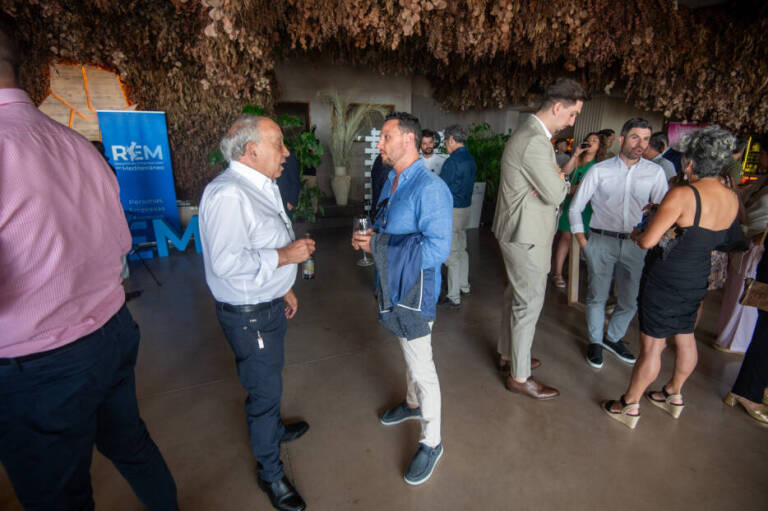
(414, 200)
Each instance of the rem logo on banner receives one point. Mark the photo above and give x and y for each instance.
(137, 146)
(136, 152)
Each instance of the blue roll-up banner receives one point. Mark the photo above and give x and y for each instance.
(136, 144)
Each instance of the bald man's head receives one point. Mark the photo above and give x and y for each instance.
(9, 55)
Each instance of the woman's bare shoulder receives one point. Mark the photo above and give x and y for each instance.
(718, 191)
(679, 193)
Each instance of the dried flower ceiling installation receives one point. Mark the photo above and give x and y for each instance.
(201, 60)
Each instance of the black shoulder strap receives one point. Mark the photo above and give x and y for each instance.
(697, 216)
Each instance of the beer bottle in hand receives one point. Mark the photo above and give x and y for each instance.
(308, 267)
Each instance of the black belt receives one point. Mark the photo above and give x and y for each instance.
(246, 309)
(34, 356)
(620, 235)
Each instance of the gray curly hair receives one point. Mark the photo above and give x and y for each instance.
(709, 149)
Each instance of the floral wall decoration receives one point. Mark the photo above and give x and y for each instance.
(201, 60)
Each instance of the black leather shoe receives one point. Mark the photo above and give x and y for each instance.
(283, 495)
(293, 431)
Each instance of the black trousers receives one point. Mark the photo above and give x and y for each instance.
(753, 376)
(256, 339)
(54, 408)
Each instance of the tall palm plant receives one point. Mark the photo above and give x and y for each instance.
(345, 122)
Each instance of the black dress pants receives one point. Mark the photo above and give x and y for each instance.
(55, 407)
(257, 340)
(753, 376)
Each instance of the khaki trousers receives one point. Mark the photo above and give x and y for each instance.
(527, 267)
(457, 263)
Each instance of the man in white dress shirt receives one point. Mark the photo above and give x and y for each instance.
(250, 259)
(432, 160)
(618, 189)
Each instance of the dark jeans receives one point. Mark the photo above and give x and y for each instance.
(753, 376)
(260, 367)
(54, 408)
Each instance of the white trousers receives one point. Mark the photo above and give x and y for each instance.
(423, 386)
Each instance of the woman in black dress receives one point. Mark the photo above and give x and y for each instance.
(691, 221)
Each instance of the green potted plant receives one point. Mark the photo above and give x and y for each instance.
(345, 122)
(307, 148)
(487, 148)
(309, 202)
(308, 151)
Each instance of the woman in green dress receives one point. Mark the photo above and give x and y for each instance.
(584, 156)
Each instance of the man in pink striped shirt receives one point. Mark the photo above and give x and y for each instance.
(68, 344)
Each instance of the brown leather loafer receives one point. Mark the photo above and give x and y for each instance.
(532, 388)
(505, 365)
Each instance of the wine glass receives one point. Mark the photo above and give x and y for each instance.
(360, 225)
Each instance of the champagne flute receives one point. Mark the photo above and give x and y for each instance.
(360, 225)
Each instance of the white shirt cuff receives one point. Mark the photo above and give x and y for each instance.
(269, 259)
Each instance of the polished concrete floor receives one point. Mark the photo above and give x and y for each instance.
(502, 451)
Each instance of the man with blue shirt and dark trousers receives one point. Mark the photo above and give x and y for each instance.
(459, 174)
(414, 202)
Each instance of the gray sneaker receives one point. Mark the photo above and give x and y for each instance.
(400, 413)
(423, 464)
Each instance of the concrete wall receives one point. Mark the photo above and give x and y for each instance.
(300, 80)
(432, 116)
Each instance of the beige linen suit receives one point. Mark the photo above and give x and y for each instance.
(525, 224)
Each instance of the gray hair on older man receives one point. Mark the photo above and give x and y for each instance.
(457, 131)
(245, 129)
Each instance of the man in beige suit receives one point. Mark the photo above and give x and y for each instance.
(531, 190)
